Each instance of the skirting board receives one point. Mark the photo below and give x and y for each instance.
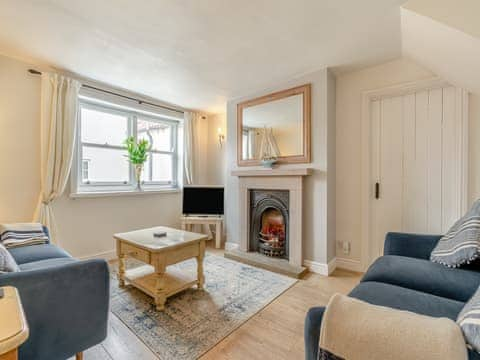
(321, 268)
(349, 264)
(107, 255)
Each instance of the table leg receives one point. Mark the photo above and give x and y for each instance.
(160, 291)
(184, 226)
(11, 355)
(121, 270)
(218, 234)
(200, 257)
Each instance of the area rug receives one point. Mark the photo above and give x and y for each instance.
(194, 321)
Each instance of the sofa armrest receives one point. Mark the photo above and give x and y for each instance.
(66, 307)
(410, 245)
(311, 333)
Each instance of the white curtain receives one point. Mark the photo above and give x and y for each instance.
(189, 131)
(252, 144)
(58, 118)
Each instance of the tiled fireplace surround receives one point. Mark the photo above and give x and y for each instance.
(290, 180)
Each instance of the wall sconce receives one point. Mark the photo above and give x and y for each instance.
(221, 137)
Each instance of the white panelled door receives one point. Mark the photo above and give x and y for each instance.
(417, 159)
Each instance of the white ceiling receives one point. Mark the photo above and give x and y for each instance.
(198, 53)
(446, 50)
(459, 14)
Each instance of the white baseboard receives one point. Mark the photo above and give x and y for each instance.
(231, 245)
(321, 268)
(107, 255)
(349, 264)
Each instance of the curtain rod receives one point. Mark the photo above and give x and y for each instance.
(36, 72)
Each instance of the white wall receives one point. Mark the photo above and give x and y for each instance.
(86, 225)
(332, 166)
(350, 87)
(474, 147)
(317, 217)
(19, 141)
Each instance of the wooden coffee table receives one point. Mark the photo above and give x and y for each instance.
(155, 279)
(14, 328)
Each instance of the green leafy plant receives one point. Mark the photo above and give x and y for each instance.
(137, 152)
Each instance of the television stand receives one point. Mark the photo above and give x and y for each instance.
(188, 220)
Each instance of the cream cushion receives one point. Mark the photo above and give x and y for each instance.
(353, 329)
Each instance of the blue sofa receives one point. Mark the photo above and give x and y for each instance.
(66, 301)
(404, 278)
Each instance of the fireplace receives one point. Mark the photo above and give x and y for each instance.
(270, 208)
(269, 222)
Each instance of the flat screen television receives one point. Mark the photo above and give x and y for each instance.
(203, 200)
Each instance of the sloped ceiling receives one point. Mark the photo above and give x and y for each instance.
(198, 53)
(444, 36)
(460, 14)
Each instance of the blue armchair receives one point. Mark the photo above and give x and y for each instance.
(404, 278)
(66, 301)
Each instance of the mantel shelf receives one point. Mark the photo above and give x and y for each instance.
(273, 172)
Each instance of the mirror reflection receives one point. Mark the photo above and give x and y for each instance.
(273, 129)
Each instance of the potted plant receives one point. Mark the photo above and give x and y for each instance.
(137, 155)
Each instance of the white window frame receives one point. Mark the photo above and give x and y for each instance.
(80, 188)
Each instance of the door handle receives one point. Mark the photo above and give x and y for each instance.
(377, 190)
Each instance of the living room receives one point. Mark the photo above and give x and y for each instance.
(224, 180)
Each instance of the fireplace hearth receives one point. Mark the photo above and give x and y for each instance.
(269, 221)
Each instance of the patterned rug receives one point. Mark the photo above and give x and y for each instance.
(194, 321)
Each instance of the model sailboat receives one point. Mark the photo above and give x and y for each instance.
(268, 148)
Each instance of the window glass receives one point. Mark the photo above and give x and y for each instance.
(101, 127)
(105, 165)
(158, 168)
(158, 134)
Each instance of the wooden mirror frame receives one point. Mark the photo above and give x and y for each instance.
(305, 90)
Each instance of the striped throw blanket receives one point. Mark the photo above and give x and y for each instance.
(469, 321)
(22, 234)
(461, 244)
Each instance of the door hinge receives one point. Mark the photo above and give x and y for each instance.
(377, 190)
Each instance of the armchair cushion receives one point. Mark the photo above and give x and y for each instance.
(406, 299)
(45, 264)
(26, 254)
(418, 246)
(425, 276)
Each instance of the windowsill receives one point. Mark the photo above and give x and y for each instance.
(95, 194)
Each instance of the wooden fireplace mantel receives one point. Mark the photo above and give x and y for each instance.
(273, 172)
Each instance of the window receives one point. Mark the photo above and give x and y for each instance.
(102, 164)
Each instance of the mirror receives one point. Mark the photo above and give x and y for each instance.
(274, 128)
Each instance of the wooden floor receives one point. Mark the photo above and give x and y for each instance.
(276, 332)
